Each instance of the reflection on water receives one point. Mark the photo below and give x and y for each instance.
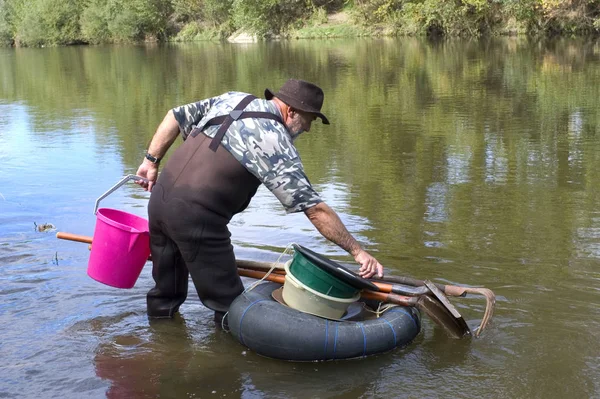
(171, 359)
(473, 162)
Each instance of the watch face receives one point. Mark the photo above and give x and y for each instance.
(151, 158)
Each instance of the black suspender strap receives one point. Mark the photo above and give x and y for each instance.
(217, 120)
(233, 116)
(226, 120)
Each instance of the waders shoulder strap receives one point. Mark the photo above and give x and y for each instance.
(226, 120)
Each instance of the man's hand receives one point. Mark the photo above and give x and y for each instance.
(368, 265)
(165, 135)
(149, 171)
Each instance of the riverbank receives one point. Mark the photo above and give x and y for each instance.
(37, 23)
(321, 26)
(337, 25)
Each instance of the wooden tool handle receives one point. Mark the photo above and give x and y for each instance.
(389, 298)
(277, 278)
(74, 237)
(387, 288)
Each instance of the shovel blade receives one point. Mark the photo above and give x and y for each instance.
(436, 311)
(442, 298)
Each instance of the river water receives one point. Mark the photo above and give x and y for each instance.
(465, 162)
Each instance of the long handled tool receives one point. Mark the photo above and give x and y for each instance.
(431, 306)
(454, 290)
(413, 287)
(428, 298)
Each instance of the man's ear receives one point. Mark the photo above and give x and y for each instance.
(287, 113)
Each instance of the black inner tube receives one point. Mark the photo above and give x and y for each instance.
(271, 329)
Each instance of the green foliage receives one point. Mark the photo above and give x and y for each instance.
(211, 12)
(329, 5)
(94, 23)
(124, 24)
(190, 32)
(136, 20)
(194, 31)
(202, 19)
(318, 26)
(13, 12)
(479, 17)
(318, 17)
(570, 17)
(186, 10)
(5, 28)
(341, 30)
(218, 11)
(269, 17)
(39, 22)
(453, 18)
(58, 22)
(376, 11)
(119, 21)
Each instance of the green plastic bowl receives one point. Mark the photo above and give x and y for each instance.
(319, 280)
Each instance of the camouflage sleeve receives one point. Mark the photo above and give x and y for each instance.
(276, 163)
(291, 186)
(189, 115)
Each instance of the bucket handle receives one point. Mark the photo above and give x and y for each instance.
(113, 188)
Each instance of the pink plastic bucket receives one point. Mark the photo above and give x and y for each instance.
(120, 248)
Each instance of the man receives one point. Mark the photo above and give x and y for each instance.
(233, 143)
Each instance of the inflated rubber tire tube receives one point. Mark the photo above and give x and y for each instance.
(270, 329)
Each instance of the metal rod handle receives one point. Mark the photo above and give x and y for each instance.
(116, 186)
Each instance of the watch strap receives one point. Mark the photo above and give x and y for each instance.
(152, 159)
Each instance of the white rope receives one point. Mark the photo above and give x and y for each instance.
(286, 251)
(381, 309)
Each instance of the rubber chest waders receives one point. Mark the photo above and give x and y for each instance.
(194, 238)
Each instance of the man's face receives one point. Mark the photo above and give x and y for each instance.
(300, 122)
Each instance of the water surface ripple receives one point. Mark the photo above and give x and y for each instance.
(465, 162)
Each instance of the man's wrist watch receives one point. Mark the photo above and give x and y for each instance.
(152, 159)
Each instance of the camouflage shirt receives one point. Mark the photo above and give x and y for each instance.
(263, 146)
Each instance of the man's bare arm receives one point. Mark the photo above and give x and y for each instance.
(165, 135)
(331, 227)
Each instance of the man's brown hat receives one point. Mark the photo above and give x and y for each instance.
(301, 95)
